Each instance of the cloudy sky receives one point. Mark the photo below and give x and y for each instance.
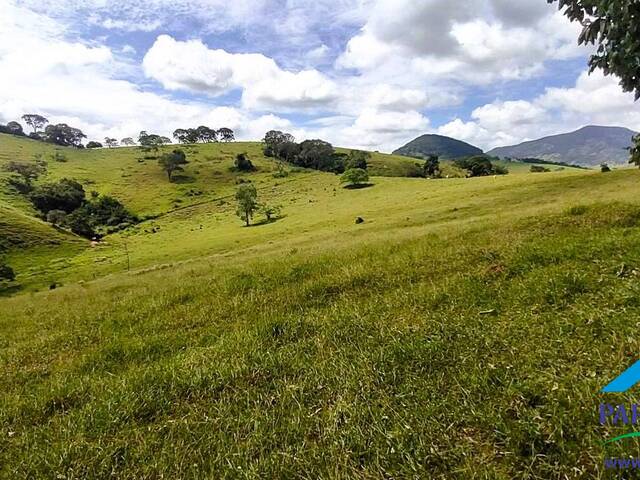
(360, 73)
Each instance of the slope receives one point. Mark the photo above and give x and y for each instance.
(444, 147)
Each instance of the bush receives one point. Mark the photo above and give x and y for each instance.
(479, 166)
(538, 169)
(243, 164)
(355, 177)
(57, 217)
(6, 273)
(604, 168)
(94, 145)
(66, 195)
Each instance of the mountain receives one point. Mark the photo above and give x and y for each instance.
(444, 147)
(589, 146)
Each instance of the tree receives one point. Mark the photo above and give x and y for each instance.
(319, 155)
(173, 162)
(206, 134)
(226, 135)
(288, 151)
(35, 121)
(181, 135)
(479, 166)
(635, 151)
(14, 128)
(151, 141)
(614, 25)
(538, 169)
(270, 211)
(243, 164)
(273, 139)
(358, 159)
(604, 168)
(57, 218)
(66, 195)
(127, 142)
(432, 166)
(64, 135)
(6, 273)
(247, 197)
(93, 144)
(110, 142)
(355, 177)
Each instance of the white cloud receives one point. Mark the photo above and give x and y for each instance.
(594, 100)
(193, 66)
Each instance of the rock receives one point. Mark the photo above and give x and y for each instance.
(359, 220)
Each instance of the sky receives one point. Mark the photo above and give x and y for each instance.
(370, 74)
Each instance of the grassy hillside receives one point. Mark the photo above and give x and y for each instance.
(444, 147)
(463, 331)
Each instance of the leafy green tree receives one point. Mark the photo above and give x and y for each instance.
(247, 197)
(432, 166)
(355, 177)
(66, 195)
(358, 159)
(604, 168)
(273, 140)
(79, 223)
(14, 128)
(94, 144)
(35, 121)
(635, 151)
(127, 142)
(319, 155)
(173, 162)
(64, 135)
(181, 135)
(614, 25)
(110, 142)
(206, 134)
(226, 135)
(243, 164)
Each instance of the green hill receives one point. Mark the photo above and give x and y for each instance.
(456, 333)
(444, 147)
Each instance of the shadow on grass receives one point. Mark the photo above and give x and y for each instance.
(9, 290)
(359, 186)
(182, 179)
(267, 222)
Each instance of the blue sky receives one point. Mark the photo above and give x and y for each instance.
(360, 73)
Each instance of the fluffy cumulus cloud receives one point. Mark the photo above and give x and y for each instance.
(193, 66)
(359, 73)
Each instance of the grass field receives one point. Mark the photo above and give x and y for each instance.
(463, 331)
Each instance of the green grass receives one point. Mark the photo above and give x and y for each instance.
(463, 331)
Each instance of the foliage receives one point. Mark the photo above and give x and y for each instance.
(614, 26)
(479, 166)
(355, 177)
(270, 212)
(203, 134)
(273, 140)
(243, 164)
(152, 140)
(66, 195)
(6, 273)
(357, 159)
(605, 168)
(226, 135)
(110, 142)
(57, 217)
(25, 175)
(635, 151)
(538, 169)
(318, 155)
(432, 166)
(93, 144)
(127, 142)
(247, 198)
(35, 121)
(63, 135)
(173, 162)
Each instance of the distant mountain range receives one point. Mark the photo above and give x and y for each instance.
(444, 147)
(589, 146)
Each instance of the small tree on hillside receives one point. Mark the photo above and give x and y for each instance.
(635, 151)
(243, 164)
(247, 197)
(35, 121)
(432, 166)
(355, 177)
(173, 162)
(226, 135)
(56, 217)
(605, 168)
(358, 159)
(127, 142)
(94, 144)
(270, 212)
(110, 142)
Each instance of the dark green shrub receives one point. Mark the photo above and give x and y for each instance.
(66, 195)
